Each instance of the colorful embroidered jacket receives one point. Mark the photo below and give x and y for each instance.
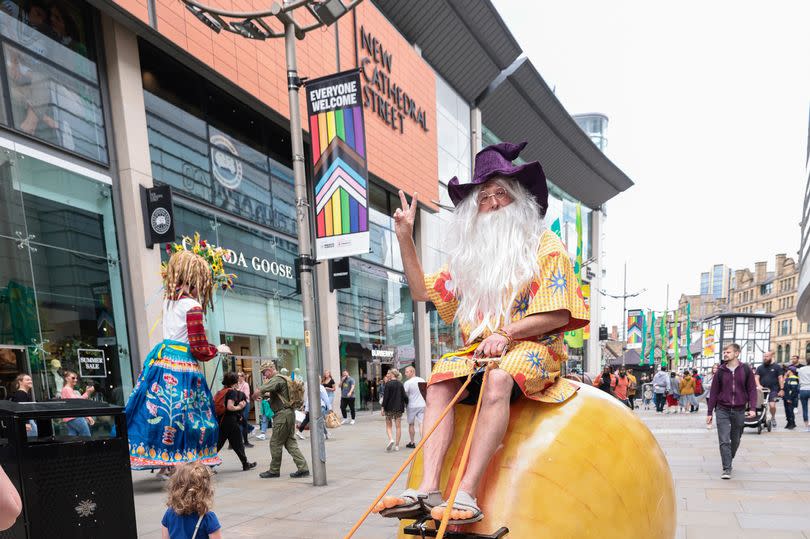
(201, 349)
(534, 364)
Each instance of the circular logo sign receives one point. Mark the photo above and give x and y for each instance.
(227, 169)
(160, 220)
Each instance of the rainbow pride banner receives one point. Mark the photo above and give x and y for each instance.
(340, 167)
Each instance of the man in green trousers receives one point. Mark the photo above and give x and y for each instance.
(276, 391)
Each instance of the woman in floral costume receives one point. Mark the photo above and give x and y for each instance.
(170, 414)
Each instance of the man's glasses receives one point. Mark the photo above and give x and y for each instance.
(498, 194)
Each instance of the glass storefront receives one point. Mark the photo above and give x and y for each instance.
(61, 305)
(229, 170)
(375, 324)
(50, 89)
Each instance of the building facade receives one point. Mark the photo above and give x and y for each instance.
(129, 95)
(717, 282)
(762, 292)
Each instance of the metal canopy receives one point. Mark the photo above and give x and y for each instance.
(465, 41)
(520, 106)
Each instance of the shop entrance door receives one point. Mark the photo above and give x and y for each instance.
(13, 362)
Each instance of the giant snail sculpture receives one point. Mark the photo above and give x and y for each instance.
(562, 471)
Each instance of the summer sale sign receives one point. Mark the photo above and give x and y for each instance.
(340, 166)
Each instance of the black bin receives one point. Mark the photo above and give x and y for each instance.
(71, 486)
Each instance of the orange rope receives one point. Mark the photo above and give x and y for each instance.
(412, 456)
(462, 466)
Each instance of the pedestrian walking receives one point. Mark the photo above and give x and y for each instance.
(632, 389)
(769, 375)
(277, 390)
(393, 406)
(732, 387)
(620, 389)
(687, 389)
(329, 383)
(416, 405)
(791, 395)
(191, 496)
(605, 381)
(661, 386)
(324, 408)
(674, 395)
(231, 418)
(266, 415)
(700, 392)
(804, 393)
(243, 387)
(347, 387)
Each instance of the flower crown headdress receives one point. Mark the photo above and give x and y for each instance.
(215, 256)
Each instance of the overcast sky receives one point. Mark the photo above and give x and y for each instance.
(708, 104)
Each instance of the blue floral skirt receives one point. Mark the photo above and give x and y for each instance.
(170, 414)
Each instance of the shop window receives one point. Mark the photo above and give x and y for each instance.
(214, 149)
(51, 86)
(61, 301)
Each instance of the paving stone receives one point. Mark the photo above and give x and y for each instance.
(774, 522)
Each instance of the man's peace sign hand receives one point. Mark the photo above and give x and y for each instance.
(404, 216)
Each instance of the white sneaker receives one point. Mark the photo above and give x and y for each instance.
(396, 448)
(390, 445)
(344, 421)
(299, 435)
(261, 436)
(351, 422)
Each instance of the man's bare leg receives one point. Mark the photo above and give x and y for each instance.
(411, 431)
(492, 422)
(438, 397)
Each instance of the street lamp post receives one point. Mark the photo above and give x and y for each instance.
(252, 25)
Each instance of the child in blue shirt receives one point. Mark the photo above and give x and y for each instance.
(190, 499)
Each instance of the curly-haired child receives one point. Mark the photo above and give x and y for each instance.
(191, 496)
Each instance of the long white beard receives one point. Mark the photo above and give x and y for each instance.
(493, 256)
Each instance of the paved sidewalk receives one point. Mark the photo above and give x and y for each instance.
(768, 498)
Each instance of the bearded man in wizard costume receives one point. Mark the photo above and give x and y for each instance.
(170, 414)
(510, 285)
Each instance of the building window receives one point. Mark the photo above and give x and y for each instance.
(50, 90)
(779, 354)
(728, 324)
(787, 352)
(64, 288)
(766, 289)
(214, 149)
(807, 352)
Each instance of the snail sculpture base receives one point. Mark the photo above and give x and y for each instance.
(585, 468)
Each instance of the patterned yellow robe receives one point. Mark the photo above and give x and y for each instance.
(534, 363)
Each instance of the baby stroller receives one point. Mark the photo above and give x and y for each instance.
(761, 419)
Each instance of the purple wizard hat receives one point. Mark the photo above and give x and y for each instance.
(496, 161)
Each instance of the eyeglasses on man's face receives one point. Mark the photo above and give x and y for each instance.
(499, 195)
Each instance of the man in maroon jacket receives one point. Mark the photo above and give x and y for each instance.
(732, 387)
